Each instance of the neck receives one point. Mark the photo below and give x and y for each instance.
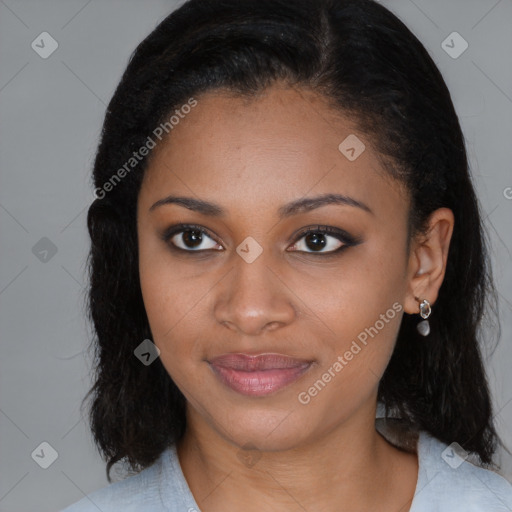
(350, 464)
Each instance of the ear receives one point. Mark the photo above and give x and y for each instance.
(427, 260)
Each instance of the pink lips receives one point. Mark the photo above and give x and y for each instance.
(258, 375)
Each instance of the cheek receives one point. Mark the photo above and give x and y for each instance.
(173, 318)
(172, 303)
(173, 307)
(354, 359)
(353, 293)
(360, 303)
(169, 295)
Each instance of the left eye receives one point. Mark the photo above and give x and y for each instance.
(318, 239)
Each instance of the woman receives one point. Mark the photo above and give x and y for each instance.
(285, 236)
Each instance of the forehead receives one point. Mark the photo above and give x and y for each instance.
(274, 147)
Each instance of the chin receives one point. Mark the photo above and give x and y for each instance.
(264, 429)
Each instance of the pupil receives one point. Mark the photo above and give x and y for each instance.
(315, 238)
(192, 238)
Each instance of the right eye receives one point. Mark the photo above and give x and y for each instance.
(189, 238)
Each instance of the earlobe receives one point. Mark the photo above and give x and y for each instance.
(427, 260)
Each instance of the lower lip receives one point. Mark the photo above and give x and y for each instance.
(258, 383)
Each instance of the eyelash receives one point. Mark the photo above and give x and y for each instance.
(341, 235)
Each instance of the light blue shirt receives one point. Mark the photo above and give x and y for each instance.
(446, 483)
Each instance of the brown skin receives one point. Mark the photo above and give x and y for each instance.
(251, 157)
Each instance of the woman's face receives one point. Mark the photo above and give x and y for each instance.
(275, 337)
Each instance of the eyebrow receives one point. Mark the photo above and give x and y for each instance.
(302, 205)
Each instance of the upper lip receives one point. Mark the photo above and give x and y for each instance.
(260, 362)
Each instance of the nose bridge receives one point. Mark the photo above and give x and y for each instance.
(253, 298)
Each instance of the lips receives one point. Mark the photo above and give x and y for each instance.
(258, 375)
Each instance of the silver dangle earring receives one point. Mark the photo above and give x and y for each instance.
(423, 327)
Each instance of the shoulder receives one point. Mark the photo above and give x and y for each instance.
(447, 481)
(158, 488)
(135, 492)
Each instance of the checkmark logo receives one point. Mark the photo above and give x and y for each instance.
(454, 45)
(352, 147)
(249, 250)
(454, 455)
(249, 455)
(147, 352)
(45, 455)
(44, 250)
(44, 45)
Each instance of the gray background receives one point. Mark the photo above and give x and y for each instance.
(51, 113)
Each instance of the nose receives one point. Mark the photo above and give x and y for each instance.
(253, 298)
